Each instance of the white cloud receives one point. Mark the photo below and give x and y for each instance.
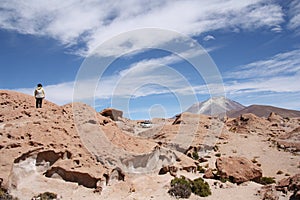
(279, 73)
(279, 65)
(91, 22)
(294, 14)
(209, 37)
(277, 29)
(146, 77)
(272, 84)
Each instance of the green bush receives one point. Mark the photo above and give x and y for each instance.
(200, 187)
(180, 191)
(180, 181)
(182, 187)
(266, 180)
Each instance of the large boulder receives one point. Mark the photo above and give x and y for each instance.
(112, 113)
(238, 169)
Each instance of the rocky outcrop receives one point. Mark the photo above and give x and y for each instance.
(152, 161)
(44, 162)
(268, 192)
(208, 174)
(238, 169)
(290, 141)
(117, 174)
(247, 123)
(291, 184)
(169, 168)
(187, 118)
(114, 114)
(84, 179)
(274, 117)
(178, 119)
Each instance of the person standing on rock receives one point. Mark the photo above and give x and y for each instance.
(39, 94)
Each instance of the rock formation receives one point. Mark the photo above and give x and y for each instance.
(114, 114)
(238, 169)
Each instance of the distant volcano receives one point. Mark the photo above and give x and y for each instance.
(215, 106)
(219, 106)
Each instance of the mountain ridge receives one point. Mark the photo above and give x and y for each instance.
(215, 106)
(221, 106)
(264, 111)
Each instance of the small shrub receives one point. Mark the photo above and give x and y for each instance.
(200, 187)
(266, 180)
(180, 188)
(200, 169)
(180, 181)
(230, 179)
(45, 196)
(180, 191)
(195, 155)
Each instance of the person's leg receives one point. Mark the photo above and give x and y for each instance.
(41, 102)
(36, 102)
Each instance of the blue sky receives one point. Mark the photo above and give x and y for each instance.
(253, 43)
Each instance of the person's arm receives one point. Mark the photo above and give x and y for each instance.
(43, 92)
(35, 92)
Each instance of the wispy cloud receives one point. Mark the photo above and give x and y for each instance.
(279, 73)
(209, 37)
(83, 25)
(147, 77)
(294, 22)
(287, 63)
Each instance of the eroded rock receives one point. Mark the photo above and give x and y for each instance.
(114, 114)
(81, 178)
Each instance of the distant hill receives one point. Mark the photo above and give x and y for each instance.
(215, 106)
(264, 111)
(221, 105)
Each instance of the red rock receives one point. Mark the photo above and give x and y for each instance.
(238, 169)
(209, 174)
